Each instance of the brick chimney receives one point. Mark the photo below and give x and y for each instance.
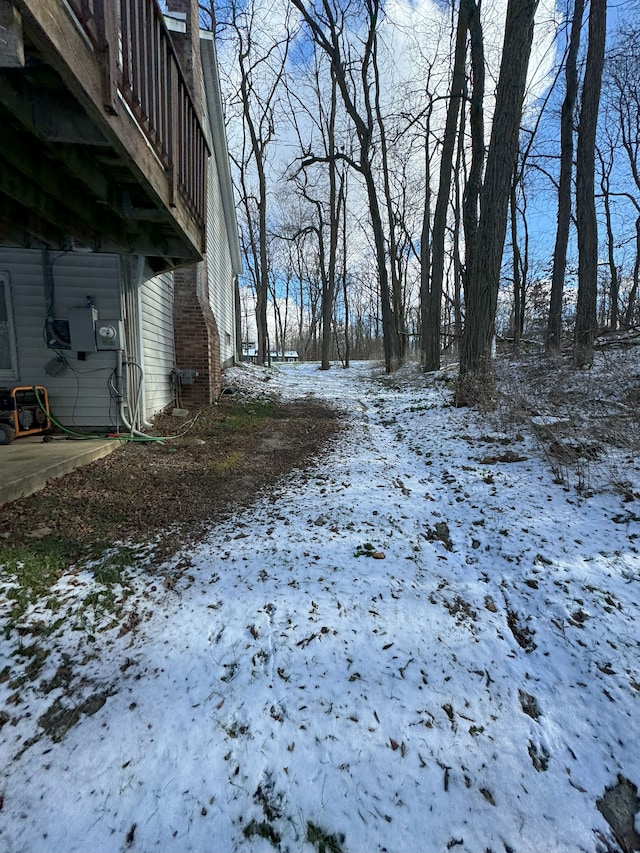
(197, 341)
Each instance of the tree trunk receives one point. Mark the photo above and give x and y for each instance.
(425, 241)
(587, 225)
(262, 281)
(476, 123)
(517, 284)
(633, 295)
(484, 266)
(345, 289)
(329, 284)
(459, 202)
(614, 283)
(433, 312)
(554, 326)
(396, 290)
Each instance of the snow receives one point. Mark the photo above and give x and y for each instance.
(475, 689)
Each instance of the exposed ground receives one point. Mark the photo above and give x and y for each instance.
(167, 492)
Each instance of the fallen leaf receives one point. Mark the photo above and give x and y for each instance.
(40, 532)
(487, 795)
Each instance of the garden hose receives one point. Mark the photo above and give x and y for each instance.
(82, 436)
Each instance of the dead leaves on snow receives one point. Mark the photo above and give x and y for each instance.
(395, 746)
(523, 635)
(529, 704)
(369, 550)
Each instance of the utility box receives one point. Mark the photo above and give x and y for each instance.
(110, 335)
(82, 329)
(187, 377)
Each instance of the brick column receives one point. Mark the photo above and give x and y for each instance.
(196, 335)
(197, 341)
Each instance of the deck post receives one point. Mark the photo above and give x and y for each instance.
(109, 28)
(11, 43)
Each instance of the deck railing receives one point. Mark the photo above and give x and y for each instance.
(139, 62)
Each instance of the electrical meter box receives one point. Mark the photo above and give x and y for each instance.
(82, 329)
(110, 335)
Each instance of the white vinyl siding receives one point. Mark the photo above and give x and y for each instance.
(156, 306)
(219, 268)
(8, 353)
(79, 396)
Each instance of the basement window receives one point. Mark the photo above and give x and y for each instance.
(8, 353)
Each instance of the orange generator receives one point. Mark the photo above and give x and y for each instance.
(23, 411)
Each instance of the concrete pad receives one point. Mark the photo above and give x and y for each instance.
(29, 463)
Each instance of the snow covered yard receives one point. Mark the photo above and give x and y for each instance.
(423, 643)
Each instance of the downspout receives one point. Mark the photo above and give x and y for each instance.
(237, 349)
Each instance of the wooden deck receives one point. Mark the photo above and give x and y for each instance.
(101, 146)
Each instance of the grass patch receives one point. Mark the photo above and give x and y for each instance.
(231, 461)
(36, 657)
(30, 570)
(246, 418)
(111, 568)
(263, 830)
(94, 611)
(28, 573)
(161, 496)
(321, 839)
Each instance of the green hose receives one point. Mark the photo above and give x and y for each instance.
(82, 436)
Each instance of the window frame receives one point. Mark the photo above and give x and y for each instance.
(9, 374)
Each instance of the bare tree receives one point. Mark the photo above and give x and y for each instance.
(345, 277)
(252, 93)
(322, 195)
(483, 267)
(433, 294)
(476, 123)
(425, 238)
(326, 24)
(587, 225)
(622, 97)
(606, 163)
(554, 327)
(518, 278)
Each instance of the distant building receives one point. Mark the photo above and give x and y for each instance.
(250, 354)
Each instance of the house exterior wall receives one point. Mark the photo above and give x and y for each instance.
(79, 396)
(185, 319)
(156, 310)
(196, 335)
(223, 249)
(204, 293)
(220, 273)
